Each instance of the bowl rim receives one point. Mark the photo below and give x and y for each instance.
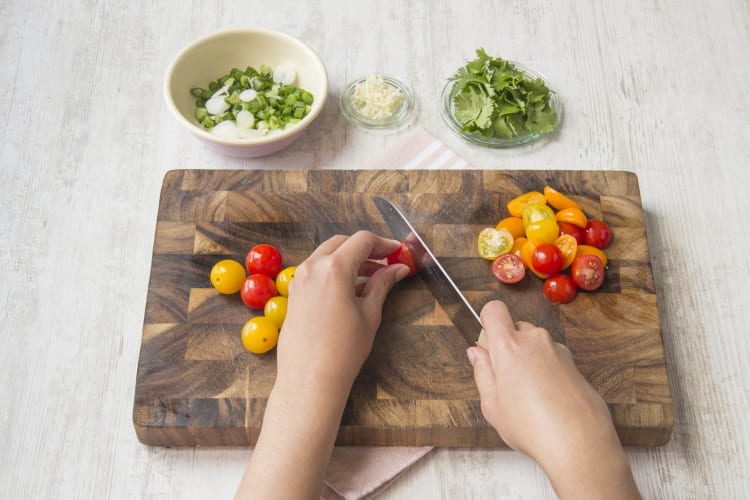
(317, 107)
(478, 139)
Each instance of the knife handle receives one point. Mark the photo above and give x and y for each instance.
(482, 340)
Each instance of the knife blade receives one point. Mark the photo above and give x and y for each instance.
(437, 279)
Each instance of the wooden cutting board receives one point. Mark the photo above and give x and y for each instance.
(196, 384)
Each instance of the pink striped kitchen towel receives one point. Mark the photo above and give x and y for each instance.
(363, 472)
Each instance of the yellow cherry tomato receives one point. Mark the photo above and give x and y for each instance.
(260, 335)
(492, 243)
(514, 225)
(573, 215)
(543, 231)
(589, 250)
(283, 279)
(518, 244)
(516, 205)
(227, 276)
(558, 200)
(536, 213)
(275, 310)
(526, 251)
(568, 246)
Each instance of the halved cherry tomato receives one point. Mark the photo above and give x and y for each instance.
(518, 244)
(526, 252)
(574, 231)
(547, 258)
(492, 243)
(597, 234)
(568, 247)
(508, 268)
(516, 205)
(402, 255)
(544, 231)
(572, 215)
(560, 288)
(256, 290)
(263, 259)
(536, 213)
(558, 200)
(588, 272)
(514, 225)
(589, 250)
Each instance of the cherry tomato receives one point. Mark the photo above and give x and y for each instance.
(597, 234)
(508, 268)
(227, 276)
(263, 259)
(514, 225)
(572, 215)
(569, 248)
(575, 231)
(588, 272)
(526, 252)
(560, 288)
(543, 231)
(492, 243)
(516, 205)
(547, 258)
(518, 244)
(402, 255)
(275, 310)
(537, 213)
(260, 335)
(256, 290)
(558, 200)
(283, 279)
(589, 250)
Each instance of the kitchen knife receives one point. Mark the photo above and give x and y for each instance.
(433, 273)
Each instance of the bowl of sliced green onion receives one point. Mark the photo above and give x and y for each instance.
(246, 92)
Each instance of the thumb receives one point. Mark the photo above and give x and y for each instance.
(381, 282)
(484, 376)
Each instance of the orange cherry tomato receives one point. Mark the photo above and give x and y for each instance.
(543, 231)
(527, 251)
(568, 246)
(516, 205)
(514, 225)
(572, 215)
(518, 244)
(589, 250)
(558, 200)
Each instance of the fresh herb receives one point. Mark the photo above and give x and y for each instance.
(491, 96)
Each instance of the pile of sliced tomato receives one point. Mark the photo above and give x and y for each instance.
(266, 286)
(548, 234)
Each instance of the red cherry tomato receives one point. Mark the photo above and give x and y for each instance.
(597, 234)
(508, 268)
(256, 290)
(402, 255)
(573, 230)
(263, 259)
(560, 288)
(547, 258)
(588, 272)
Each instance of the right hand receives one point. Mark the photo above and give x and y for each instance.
(540, 404)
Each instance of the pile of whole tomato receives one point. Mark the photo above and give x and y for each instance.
(265, 286)
(549, 244)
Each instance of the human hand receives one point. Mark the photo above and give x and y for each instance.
(541, 405)
(332, 315)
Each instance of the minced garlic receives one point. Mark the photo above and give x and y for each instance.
(374, 99)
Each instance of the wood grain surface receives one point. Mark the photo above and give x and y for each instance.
(196, 385)
(656, 87)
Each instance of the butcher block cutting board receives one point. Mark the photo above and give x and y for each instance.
(197, 385)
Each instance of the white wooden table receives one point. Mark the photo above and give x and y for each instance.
(655, 87)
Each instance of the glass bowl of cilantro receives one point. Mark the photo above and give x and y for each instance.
(496, 103)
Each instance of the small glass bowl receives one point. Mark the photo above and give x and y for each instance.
(397, 121)
(499, 142)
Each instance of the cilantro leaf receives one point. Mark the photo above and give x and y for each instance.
(473, 108)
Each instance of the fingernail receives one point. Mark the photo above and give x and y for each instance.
(471, 355)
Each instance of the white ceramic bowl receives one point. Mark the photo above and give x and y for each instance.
(214, 55)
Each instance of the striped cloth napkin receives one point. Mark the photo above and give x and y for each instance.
(362, 472)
